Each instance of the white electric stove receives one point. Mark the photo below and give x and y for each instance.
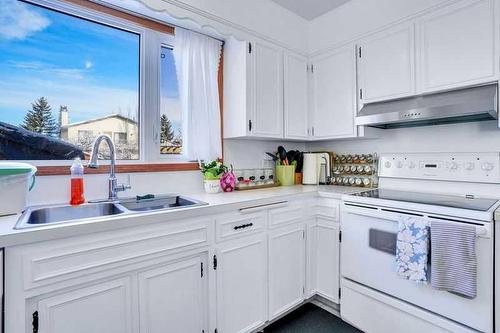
(454, 188)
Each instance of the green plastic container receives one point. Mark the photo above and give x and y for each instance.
(285, 174)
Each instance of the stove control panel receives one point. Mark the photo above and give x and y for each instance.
(465, 167)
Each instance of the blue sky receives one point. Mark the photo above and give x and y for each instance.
(91, 68)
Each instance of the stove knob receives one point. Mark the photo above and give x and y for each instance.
(412, 165)
(387, 164)
(399, 164)
(453, 166)
(487, 166)
(469, 166)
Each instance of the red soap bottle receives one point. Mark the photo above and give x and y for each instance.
(77, 197)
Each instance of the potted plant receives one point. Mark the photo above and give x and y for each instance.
(212, 172)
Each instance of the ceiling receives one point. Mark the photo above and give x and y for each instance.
(310, 9)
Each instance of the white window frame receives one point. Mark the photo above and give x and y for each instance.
(149, 82)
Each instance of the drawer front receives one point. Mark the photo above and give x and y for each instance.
(329, 208)
(374, 312)
(239, 224)
(56, 261)
(292, 212)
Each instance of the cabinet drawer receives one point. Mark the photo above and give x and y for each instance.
(56, 261)
(239, 224)
(290, 213)
(374, 312)
(330, 208)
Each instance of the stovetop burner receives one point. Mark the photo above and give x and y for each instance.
(454, 201)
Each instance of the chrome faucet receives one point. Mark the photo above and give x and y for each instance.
(114, 187)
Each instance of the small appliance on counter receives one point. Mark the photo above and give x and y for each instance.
(355, 170)
(317, 168)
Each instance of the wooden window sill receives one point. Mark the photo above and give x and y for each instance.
(123, 168)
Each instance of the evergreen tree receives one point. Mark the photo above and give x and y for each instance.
(40, 120)
(167, 132)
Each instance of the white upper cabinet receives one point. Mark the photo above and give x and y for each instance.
(458, 46)
(296, 96)
(253, 90)
(267, 116)
(386, 64)
(333, 105)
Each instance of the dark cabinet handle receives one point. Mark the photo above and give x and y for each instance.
(242, 226)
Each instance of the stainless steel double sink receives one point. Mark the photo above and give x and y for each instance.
(49, 215)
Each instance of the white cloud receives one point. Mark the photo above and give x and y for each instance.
(18, 21)
(88, 64)
(48, 69)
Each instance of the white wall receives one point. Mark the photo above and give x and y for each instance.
(466, 137)
(244, 153)
(357, 17)
(243, 19)
(56, 189)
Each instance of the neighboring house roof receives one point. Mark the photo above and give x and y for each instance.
(16, 143)
(99, 119)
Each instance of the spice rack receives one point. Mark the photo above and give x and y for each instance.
(359, 170)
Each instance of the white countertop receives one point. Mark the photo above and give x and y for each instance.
(217, 203)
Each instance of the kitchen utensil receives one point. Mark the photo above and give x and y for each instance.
(282, 154)
(273, 156)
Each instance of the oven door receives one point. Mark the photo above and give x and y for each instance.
(368, 258)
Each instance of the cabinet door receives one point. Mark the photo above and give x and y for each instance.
(242, 284)
(295, 98)
(267, 113)
(326, 259)
(334, 91)
(458, 46)
(286, 269)
(104, 307)
(173, 297)
(386, 64)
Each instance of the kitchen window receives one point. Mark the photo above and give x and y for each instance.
(76, 72)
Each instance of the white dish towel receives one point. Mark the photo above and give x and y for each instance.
(453, 259)
(412, 248)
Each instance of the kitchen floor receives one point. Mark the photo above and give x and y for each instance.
(310, 318)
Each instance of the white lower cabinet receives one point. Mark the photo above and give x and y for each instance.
(325, 259)
(286, 268)
(241, 284)
(173, 297)
(232, 272)
(103, 307)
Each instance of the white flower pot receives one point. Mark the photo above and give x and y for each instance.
(212, 185)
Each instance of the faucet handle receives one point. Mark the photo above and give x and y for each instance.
(123, 187)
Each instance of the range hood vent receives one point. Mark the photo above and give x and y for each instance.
(464, 105)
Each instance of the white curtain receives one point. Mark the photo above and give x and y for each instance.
(197, 62)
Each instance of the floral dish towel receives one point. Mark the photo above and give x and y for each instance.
(412, 248)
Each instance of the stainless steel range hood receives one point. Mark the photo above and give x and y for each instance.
(471, 104)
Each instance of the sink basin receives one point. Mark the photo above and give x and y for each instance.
(159, 203)
(33, 217)
(39, 216)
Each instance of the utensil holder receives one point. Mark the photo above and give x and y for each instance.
(285, 174)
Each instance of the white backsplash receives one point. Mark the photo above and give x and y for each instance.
(240, 153)
(466, 137)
